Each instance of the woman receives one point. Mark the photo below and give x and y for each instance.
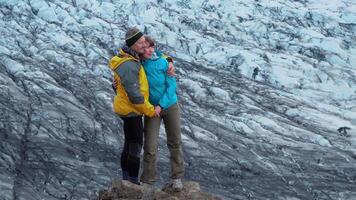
(162, 94)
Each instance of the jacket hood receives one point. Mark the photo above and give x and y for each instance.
(122, 57)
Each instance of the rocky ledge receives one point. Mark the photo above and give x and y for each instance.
(127, 190)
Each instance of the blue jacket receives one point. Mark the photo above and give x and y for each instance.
(161, 86)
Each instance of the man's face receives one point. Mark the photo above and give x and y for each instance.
(139, 45)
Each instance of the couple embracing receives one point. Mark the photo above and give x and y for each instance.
(145, 86)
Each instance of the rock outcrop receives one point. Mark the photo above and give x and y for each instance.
(121, 190)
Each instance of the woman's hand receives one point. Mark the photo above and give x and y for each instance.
(171, 69)
(114, 84)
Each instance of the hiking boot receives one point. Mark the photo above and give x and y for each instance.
(134, 180)
(125, 175)
(147, 185)
(177, 185)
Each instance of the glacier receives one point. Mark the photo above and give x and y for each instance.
(274, 136)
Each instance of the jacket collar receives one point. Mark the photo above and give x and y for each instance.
(127, 51)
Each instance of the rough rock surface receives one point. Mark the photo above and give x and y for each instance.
(125, 190)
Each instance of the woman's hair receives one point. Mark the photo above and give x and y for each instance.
(150, 41)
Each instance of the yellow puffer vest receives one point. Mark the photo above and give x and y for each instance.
(122, 103)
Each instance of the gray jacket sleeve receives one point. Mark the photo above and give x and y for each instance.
(129, 75)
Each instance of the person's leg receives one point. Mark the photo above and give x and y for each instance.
(151, 133)
(171, 119)
(135, 140)
(125, 153)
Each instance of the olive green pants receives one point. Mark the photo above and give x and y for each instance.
(171, 120)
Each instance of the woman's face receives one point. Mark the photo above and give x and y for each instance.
(148, 51)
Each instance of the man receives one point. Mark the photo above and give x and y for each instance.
(131, 100)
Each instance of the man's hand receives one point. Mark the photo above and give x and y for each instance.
(171, 69)
(158, 110)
